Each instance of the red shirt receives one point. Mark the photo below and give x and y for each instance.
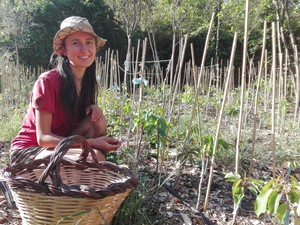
(46, 97)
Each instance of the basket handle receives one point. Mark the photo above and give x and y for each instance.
(53, 168)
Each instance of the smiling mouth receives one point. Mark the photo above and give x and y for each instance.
(84, 57)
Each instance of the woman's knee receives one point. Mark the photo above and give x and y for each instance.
(100, 127)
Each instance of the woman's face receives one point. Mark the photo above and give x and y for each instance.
(80, 48)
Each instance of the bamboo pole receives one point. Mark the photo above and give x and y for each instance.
(219, 122)
(107, 61)
(297, 86)
(199, 79)
(199, 130)
(142, 72)
(273, 97)
(266, 83)
(250, 89)
(178, 81)
(133, 96)
(238, 154)
(256, 97)
(284, 94)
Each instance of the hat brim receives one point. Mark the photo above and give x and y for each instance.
(63, 33)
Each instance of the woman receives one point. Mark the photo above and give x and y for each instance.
(63, 100)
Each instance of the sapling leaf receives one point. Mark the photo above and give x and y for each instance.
(262, 199)
(257, 184)
(232, 177)
(273, 201)
(253, 189)
(294, 181)
(237, 192)
(281, 211)
(267, 185)
(236, 185)
(294, 196)
(256, 181)
(223, 144)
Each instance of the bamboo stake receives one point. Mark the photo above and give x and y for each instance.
(107, 61)
(284, 94)
(199, 78)
(133, 96)
(256, 97)
(171, 63)
(136, 67)
(219, 122)
(266, 82)
(249, 89)
(297, 85)
(199, 130)
(285, 74)
(273, 96)
(112, 76)
(280, 89)
(237, 158)
(142, 72)
(178, 81)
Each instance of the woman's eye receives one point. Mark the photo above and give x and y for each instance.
(90, 42)
(75, 43)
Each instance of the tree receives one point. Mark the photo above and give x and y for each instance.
(232, 18)
(15, 19)
(127, 13)
(46, 22)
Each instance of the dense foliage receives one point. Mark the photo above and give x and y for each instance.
(27, 26)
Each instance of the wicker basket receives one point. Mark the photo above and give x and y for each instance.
(62, 191)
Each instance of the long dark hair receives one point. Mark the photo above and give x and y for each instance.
(73, 105)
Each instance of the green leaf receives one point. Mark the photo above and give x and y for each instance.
(273, 202)
(162, 126)
(232, 177)
(253, 189)
(294, 180)
(236, 185)
(294, 196)
(237, 192)
(262, 200)
(256, 181)
(281, 211)
(258, 184)
(267, 185)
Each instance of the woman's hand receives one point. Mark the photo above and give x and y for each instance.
(104, 143)
(95, 112)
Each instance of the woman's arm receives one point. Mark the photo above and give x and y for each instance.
(47, 139)
(44, 135)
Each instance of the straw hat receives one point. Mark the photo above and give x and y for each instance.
(71, 25)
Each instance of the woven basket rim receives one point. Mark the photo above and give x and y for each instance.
(15, 175)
